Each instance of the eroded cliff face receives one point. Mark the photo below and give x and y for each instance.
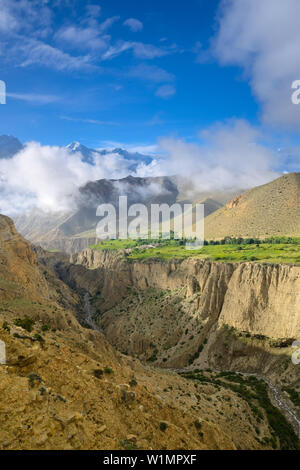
(264, 299)
(261, 299)
(195, 314)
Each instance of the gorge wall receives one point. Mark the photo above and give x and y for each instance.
(194, 313)
(262, 299)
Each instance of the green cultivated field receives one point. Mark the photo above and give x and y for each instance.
(170, 249)
(280, 253)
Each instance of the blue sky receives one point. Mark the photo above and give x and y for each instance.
(86, 89)
(204, 86)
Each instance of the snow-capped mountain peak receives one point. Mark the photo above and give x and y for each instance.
(89, 154)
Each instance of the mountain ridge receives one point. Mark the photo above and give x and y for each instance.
(272, 209)
(89, 154)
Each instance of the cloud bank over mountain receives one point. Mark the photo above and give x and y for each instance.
(229, 155)
(48, 177)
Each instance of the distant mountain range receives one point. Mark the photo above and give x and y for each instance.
(90, 154)
(10, 146)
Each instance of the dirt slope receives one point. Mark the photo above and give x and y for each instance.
(269, 210)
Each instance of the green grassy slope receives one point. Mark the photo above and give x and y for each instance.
(174, 249)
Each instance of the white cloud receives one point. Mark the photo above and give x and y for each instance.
(228, 156)
(82, 37)
(140, 50)
(147, 51)
(156, 75)
(90, 121)
(290, 159)
(17, 15)
(134, 24)
(150, 149)
(108, 23)
(114, 51)
(93, 10)
(31, 37)
(34, 98)
(143, 148)
(26, 27)
(166, 91)
(151, 73)
(8, 22)
(48, 177)
(263, 37)
(39, 53)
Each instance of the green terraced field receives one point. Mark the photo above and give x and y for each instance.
(172, 249)
(279, 253)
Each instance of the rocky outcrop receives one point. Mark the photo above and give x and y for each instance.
(18, 262)
(264, 299)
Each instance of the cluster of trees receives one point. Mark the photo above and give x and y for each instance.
(225, 241)
(253, 241)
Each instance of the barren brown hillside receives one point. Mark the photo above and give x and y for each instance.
(269, 210)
